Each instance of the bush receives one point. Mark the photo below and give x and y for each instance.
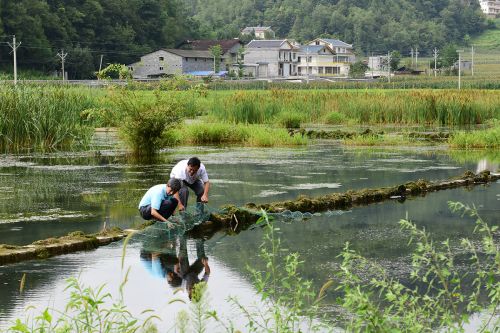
(335, 118)
(145, 121)
(290, 119)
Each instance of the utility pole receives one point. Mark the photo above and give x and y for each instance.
(100, 62)
(459, 67)
(62, 55)
(14, 47)
(411, 52)
(416, 58)
(307, 64)
(389, 65)
(435, 61)
(472, 64)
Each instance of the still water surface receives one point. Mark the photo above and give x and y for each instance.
(50, 195)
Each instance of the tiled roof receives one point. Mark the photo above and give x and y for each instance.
(258, 44)
(190, 53)
(311, 48)
(336, 42)
(250, 29)
(206, 44)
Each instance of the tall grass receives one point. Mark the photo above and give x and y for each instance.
(248, 135)
(489, 138)
(423, 107)
(42, 118)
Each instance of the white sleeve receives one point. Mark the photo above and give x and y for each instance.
(203, 174)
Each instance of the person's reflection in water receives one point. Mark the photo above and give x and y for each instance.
(484, 165)
(191, 273)
(176, 269)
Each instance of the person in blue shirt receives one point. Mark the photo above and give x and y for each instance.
(159, 202)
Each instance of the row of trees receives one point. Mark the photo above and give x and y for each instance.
(371, 25)
(122, 30)
(119, 30)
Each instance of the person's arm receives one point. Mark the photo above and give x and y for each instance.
(180, 206)
(157, 215)
(204, 197)
(204, 261)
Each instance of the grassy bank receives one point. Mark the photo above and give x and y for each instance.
(43, 118)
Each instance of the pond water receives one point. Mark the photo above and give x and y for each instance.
(48, 195)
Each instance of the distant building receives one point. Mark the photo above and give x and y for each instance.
(490, 7)
(166, 62)
(377, 63)
(464, 65)
(344, 53)
(319, 60)
(259, 32)
(270, 59)
(230, 47)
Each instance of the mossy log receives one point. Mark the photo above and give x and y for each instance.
(235, 219)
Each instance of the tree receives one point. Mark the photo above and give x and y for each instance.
(358, 69)
(448, 56)
(395, 60)
(216, 51)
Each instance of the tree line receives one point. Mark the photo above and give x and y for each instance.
(122, 30)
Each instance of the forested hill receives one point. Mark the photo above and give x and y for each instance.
(371, 25)
(122, 30)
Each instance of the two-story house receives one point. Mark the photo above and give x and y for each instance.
(271, 59)
(490, 7)
(343, 53)
(230, 47)
(317, 60)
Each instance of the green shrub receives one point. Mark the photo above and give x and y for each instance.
(335, 118)
(145, 120)
(290, 119)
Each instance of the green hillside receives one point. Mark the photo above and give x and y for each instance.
(489, 40)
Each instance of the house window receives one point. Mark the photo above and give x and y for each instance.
(317, 42)
(320, 70)
(195, 59)
(187, 59)
(298, 59)
(161, 58)
(161, 68)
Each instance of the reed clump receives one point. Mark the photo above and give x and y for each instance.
(489, 138)
(43, 117)
(248, 135)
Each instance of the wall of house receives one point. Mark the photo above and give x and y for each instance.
(270, 56)
(156, 64)
(198, 64)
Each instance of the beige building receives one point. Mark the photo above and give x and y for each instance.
(490, 7)
(259, 32)
(319, 60)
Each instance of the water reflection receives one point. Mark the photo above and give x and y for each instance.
(486, 165)
(166, 257)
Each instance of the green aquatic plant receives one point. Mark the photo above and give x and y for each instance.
(144, 121)
(489, 138)
(438, 301)
(248, 135)
(43, 117)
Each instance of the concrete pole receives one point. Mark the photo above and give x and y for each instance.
(14, 47)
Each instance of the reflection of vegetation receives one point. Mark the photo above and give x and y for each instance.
(463, 156)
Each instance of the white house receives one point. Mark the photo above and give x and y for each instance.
(259, 32)
(319, 60)
(490, 7)
(344, 53)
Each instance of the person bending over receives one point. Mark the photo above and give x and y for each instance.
(159, 202)
(193, 175)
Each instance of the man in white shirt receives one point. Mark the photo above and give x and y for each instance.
(193, 175)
